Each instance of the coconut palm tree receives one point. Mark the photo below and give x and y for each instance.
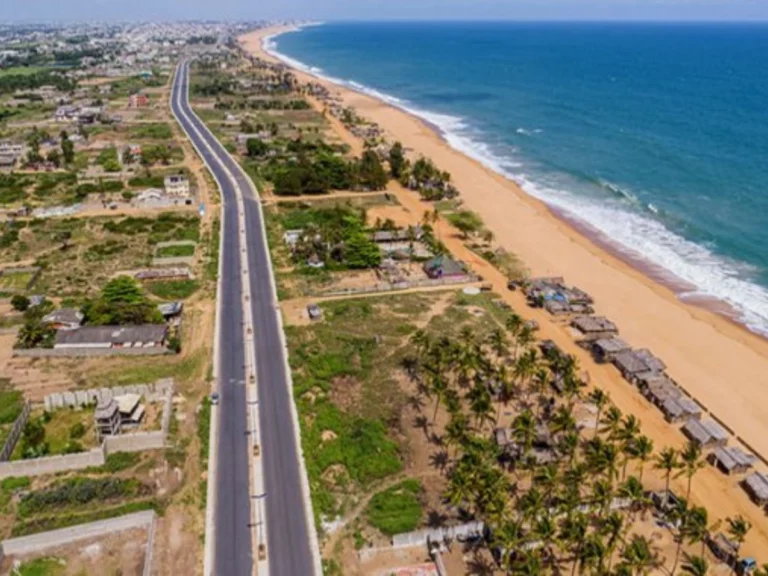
(613, 528)
(573, 531)
(438, 385)
(524, 430)
(592, 554)
(668, 461)
(640, 555)
(695, 565)
(642, 450)
(600, 398)
(633, 490)
(692, 462)
(497, 340)
(611, 422)
(738, 528)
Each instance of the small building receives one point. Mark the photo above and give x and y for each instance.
(314, 261)
(664, 500)
(443, 266)
(731, 459)
(64, 319)
(7, 160)
(107, 417)
(594, 327)
(606, 349)
(706, 433)
(176, 185)
(101, 337)
(138, 101)
(756, 485)
(171, 310)
(680, 409)
(637, 364)
(399, 235)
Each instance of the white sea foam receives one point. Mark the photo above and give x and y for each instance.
(631, 231)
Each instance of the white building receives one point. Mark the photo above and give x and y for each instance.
(177, 185)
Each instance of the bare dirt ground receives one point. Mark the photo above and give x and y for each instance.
(121, 553)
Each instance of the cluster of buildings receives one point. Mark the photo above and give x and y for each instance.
(641, 368)
(10, 152)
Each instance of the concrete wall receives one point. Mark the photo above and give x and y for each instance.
(134, 442)
(387, 287)
(54, 538)
(174, 261)
(150, 392)
(89, 352)
(53, 464)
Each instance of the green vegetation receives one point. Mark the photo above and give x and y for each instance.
(11, 402)
(466, 221)
(47, 566)
(122, 301)
(166, 227)
(108, 160)
(335, 235)
(156, 131)
(175, 251)
(12, 281)
(397, 509)
(24, 80)
(80, 491)
(174, 289)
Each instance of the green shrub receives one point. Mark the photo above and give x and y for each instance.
(11, 403)
(77, 430)
(396, 509)
(78, 491)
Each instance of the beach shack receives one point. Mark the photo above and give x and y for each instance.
(680, 409)
(731, 460)
(756, 486)
(705, 433)
(606, 349)
(592, 328)
(723, 548)
(664, 394)
(638, 364)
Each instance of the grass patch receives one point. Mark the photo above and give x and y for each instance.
(177, 251)
(15, 281)
(11, 402)
(158, 131)
(116, 462)
(397, 509)
(56, 521)
(47, 566)
(173, 289)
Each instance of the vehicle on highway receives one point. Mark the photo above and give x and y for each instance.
(215, 399)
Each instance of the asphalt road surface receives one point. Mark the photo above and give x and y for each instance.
(288, 535)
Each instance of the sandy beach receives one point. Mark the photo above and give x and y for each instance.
(721, 364)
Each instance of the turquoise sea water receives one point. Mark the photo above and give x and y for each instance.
(654, 135)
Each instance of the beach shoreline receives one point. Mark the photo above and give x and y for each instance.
(717, 360)
(659, 278)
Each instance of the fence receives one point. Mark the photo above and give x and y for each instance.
(387, 287)
(151, 392)
(89, 352)
(15, 433)
(37, 543)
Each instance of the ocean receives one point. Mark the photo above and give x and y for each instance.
(654, 136)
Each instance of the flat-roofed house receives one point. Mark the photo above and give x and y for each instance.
(107, 417)
(177, 186)
(131, 410)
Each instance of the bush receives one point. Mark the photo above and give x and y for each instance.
(11, 404)
(78, 491)
(397, 509)
(77, 430)
(19, 302)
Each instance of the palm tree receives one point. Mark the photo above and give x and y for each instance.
(524, 430)
(667, 460)
(692, 462)
(633, 490)
(592, 554)
(695, 565)
(457, 429)
(738, 528)
(611, 421)
(498, 343)
(573, 531)
(613, 528)
(438, 386)
(642, 449)
(600, 398)
(640, 555)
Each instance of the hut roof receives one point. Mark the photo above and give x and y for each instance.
(587, 324)
(610, 345)
(654, 364)
(704, 432)
(757, 484)
(629, 363)
(730, 457)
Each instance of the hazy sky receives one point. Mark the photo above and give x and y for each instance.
(68, 10)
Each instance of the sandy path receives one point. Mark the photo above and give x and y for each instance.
(723, 365)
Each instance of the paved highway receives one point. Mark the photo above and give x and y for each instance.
(290, 548)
